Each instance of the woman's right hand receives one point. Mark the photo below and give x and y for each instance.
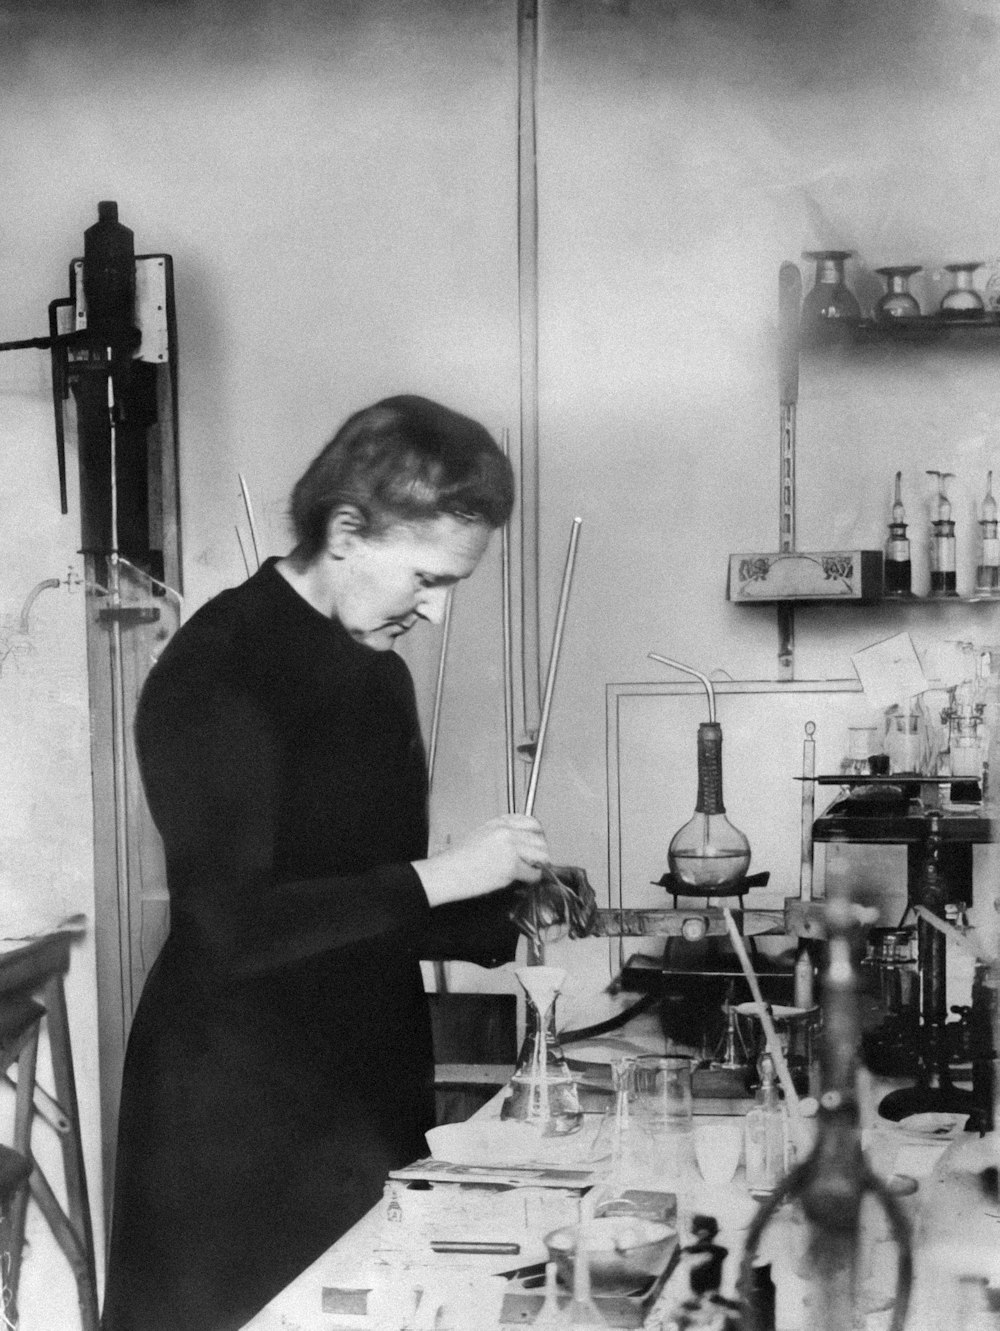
(504, 850)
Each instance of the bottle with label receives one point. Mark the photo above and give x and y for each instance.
(943, 581)
(766, 1134)
(898, 565)
(988, 568)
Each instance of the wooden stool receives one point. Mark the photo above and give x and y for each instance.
(14, 1171)
(20, 1024)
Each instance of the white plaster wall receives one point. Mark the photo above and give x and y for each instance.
(46, 818)
(336, 184)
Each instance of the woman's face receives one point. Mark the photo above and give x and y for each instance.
(387, 582)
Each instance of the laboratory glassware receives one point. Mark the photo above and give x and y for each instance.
(962, 300)
(943, 582)
(898, 302)
(898, 568)
(830, 304)
(663, 1114)
(988, 568)
(905, 741)
(766, 1134)
(542, 1091)
(709, 852)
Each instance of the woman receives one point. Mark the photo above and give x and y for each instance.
(280, 1062)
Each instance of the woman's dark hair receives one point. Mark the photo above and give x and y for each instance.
(404, 459)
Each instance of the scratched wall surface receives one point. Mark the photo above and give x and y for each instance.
(337, 186)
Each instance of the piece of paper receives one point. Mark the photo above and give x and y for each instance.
(890, 671)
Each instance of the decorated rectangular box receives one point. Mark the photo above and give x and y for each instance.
(798, 575)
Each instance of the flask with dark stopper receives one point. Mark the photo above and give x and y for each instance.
(709, 852)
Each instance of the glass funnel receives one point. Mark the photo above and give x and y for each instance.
(898, 302)
(708, 852)
(962, 300)
(542, 1091)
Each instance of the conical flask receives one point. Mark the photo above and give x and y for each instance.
(708, 852)
(542, 1091)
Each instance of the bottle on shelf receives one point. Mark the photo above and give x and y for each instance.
(988, 568)
(943, 581)
(898, 302)
(830, 305)
(962, 300)
(898, 566)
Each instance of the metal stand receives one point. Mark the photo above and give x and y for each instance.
(933, 1091)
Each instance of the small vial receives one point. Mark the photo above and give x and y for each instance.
(898, 565)
(943, 581)
(988, 568)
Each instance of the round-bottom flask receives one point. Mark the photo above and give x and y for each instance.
(709, 852)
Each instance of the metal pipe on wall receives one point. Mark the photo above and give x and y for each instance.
(527, 265)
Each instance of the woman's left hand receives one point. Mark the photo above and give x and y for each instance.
(562, 899)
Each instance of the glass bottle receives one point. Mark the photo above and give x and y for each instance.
(709, 852)
(542, 1091)
(898, 302)
(765, 1134)
(582, 1310)
(551, 1315)
(898, 565)
(943, 541)
(962, 300)
(988, 568)
(830, 305)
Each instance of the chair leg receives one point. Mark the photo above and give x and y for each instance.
(24, 1107)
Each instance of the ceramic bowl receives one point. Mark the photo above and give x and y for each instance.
(624, 1252)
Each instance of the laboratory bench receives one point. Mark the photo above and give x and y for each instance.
(368, 1280)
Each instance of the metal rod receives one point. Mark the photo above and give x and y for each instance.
(250, 519)
(764, 1012)
(439, 690)
(550, 681)
(951, 933)
(666, 660)
(527, 271)
(808, 811)
(243, 552)
(118, 721)
(508, 652)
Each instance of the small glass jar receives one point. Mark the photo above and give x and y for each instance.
(830, 306)
(962, 301)
(898, 302)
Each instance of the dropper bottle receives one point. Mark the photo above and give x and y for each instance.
(943, 541)
(988, 568)
(898, 567)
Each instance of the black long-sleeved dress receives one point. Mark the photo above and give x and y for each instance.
(279, 1063)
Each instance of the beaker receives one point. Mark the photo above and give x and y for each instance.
(904, 742)
(542, 1091)
(965, 740)
(663, 1114)
(862, 743)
